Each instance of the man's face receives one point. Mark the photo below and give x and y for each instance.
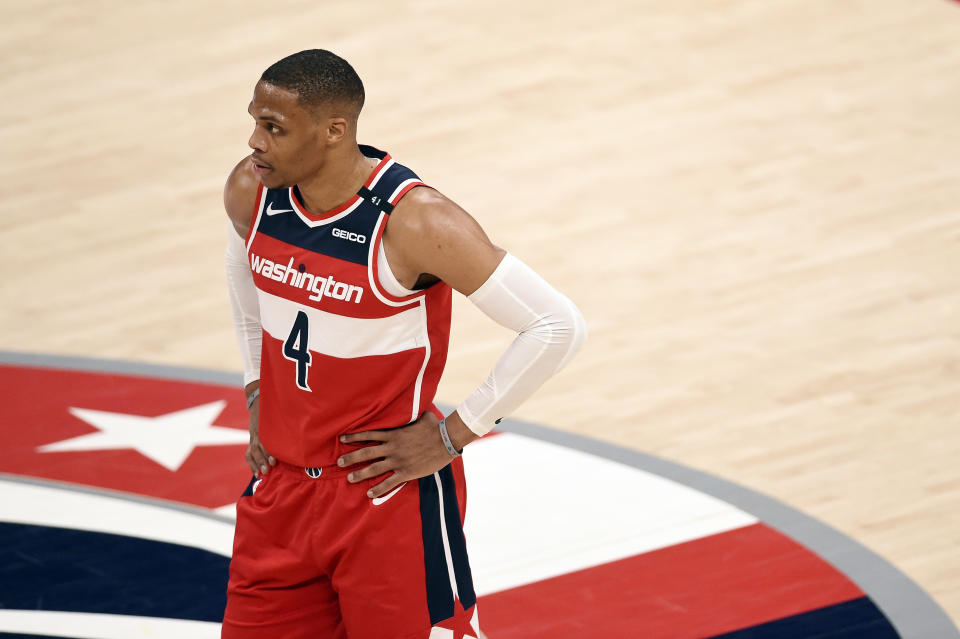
(288, 141)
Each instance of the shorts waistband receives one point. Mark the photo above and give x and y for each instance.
(312, 472)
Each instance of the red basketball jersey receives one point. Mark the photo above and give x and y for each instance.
(340, 354)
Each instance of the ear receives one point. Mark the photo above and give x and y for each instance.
(336, 129)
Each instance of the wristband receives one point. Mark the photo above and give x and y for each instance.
(445, 436)
(252, 398)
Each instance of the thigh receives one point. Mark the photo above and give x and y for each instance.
(405, 570)
(275, 589)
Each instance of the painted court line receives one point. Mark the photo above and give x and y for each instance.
(913, 613)
(41, 503)
(85, 625)
(597, 511)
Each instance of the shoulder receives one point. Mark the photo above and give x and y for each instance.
(425, 212)
(240, 195)
(429, 234)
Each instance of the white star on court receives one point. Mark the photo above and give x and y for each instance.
(166, 439)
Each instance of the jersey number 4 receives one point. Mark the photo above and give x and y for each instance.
(296, 348)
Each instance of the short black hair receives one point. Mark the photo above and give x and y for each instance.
(319, 78)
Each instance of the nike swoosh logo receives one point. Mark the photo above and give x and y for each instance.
(273, 211)
(379, 500)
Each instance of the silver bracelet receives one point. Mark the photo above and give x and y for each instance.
(445, 436)
(253, 397)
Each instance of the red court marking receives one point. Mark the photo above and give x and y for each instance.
(701, 588)
(35, 413)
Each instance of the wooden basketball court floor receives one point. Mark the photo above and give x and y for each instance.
(754, 203)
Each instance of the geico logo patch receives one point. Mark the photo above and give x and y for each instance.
(350, 235)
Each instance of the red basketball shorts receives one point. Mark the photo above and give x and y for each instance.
(316, 558)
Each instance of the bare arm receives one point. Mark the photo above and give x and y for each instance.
(430, 235)
(431, 238)
(239, 198)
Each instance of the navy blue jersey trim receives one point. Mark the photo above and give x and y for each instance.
(439, 593)
(458, 543)
(378, 201)
(248, 491)
(385, 187)
(372, 152)
(347, 238)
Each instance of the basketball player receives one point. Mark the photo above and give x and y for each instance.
(340, 267)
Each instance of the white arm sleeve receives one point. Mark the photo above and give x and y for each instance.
(550, 331)
(245, 307)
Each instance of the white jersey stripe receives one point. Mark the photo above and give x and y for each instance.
(446, 539)
(415, 414)
(315, 223)
(402, 186)
(421, 306)
(375, 239)
(345, 337)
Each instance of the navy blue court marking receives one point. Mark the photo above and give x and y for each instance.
(912, 612)
(855, 619)
(83, 571)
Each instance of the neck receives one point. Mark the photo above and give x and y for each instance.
(338, 180)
